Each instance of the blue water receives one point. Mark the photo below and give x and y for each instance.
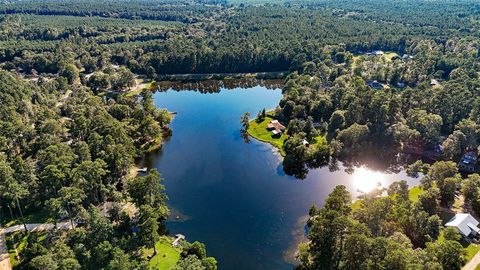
(232, 196)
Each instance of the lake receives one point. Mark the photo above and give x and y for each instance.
(233, 196)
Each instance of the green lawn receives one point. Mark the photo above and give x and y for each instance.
(167, 256)
(259, 131)
(471, 250)
(390, 55)
(415, 193)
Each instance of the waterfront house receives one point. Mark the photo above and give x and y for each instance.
(468, 162)
(276, 133)
(276, 128)
(465, 224)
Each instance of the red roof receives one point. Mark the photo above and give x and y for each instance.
(275, 124)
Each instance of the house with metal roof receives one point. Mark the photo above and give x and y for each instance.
(465, 224)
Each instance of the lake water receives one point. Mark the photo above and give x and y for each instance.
(233, 196)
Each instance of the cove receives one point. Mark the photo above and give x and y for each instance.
(233, 196)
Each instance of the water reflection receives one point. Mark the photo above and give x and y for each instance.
(236, 197)
(214, 86)
(365, 180)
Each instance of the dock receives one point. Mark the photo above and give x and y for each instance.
(142, 170)
(179, 237)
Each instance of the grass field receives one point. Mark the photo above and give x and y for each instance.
(167, 256)
(259, 131)
(471, 250)
(415, 192)
(390, 55)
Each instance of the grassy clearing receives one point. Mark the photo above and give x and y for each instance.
(140, 89)
(167, 256)
(259, 131)
(355, 58)
(390, 55)
(471, 250)
(415, 192)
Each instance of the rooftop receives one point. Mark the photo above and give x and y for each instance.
(465, 223)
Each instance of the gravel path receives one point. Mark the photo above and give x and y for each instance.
(472, 264)
(5, 256)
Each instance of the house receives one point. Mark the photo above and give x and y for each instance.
(305, 142)
(274, 124)
(276, 133)
(465, 224)
(276, 128)
(434, 82)
(468, 162)
(378, 53)
(375, 84)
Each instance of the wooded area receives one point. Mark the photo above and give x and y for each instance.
(371, 75)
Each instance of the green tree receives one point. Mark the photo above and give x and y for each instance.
(43, 262)
(149, 227)
(148, 190)
(450, 254)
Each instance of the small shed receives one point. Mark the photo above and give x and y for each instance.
(465, 224)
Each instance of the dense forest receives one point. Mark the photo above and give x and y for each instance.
(69, 135)
(198, 38)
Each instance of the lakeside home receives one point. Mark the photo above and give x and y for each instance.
(276, 128)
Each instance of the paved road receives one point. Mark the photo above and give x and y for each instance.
(472, 264)
(36, 227)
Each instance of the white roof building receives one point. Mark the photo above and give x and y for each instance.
(465, 224)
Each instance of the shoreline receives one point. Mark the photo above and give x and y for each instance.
(222, 76)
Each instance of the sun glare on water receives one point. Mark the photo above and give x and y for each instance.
(365, 180)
